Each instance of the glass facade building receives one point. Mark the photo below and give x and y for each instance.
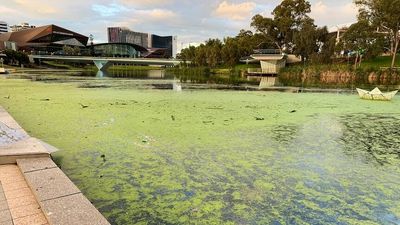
(154, 43)
(124, 35)
(3, 27)
(118, 50)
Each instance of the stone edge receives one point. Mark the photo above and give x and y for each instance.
(92, 212)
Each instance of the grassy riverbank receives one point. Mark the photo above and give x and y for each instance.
(218, 157)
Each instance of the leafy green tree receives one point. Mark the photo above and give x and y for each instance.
(288, 18)
(213, 52)
(201, 56)
(362, 39)
(16, 57)
(385, 16)
(188, 54)
(268, 28)
(306, 40)
(230, 51)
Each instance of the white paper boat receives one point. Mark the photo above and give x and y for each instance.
(376, 94)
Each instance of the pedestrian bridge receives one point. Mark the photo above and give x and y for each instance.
(102, 63)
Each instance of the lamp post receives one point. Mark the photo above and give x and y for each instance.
(1, 61)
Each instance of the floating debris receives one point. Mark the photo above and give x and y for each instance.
(83, 106)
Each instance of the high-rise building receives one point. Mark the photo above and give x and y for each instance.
(150, 41)
(124, 35)
(167, 42)
(22, 26)
(3, 27)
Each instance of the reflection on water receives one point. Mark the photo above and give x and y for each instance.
(134, 74)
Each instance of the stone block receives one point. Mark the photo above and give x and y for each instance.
(50, 184)
(72, 210)
(37, 219)
(5, 215)
(18, 202)
(34, 164)
(18, 193)
(9, 222)
(15, 185)
(27, 210)
(3, 205)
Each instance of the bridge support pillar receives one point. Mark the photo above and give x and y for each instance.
(102, 64)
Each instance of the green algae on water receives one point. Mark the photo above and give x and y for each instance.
(314, 159)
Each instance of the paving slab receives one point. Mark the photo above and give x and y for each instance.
(73, 210)
(27, 148)
(5, 215)
(3, 205)
(18, 193)
(35, 164)
(24, 211)
(15, 185)
(7, 223)
(18, 202)
(37, 219)
(50, 184)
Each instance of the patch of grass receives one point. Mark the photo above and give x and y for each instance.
(381, 61)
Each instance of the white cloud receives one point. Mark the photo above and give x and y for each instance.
(146, 3)
(240, 11)
(160, 14)
(333, 13)
(109, 10)
(319, 8)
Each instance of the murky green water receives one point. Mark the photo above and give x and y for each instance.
(218, 157)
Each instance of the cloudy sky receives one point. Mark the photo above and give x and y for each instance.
(192, 21)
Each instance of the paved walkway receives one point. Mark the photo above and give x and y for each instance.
(18, 205)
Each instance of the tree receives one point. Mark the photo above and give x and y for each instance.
(213, 52)
(362, 39)
(305, 40)
(16, 57)
(288, 18)
(269, 30)
(230, 51)
(385, 16)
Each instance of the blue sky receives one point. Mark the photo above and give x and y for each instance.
(192, 21)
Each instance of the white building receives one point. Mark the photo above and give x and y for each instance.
(3, 27)
(22, 26)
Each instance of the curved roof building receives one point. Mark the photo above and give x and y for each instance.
(45, 38)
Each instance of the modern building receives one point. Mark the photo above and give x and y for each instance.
(169, 43)
(44, 40)
(125, 50)
(124, 35)
(3, 27)
(160, 46)
(22, 26)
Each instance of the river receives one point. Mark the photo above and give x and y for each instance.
(148, 155)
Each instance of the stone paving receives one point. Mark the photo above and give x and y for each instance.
(33, 190)
(18, 206)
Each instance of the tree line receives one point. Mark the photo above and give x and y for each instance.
(291, 30)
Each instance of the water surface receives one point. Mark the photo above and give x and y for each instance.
(149, 156)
